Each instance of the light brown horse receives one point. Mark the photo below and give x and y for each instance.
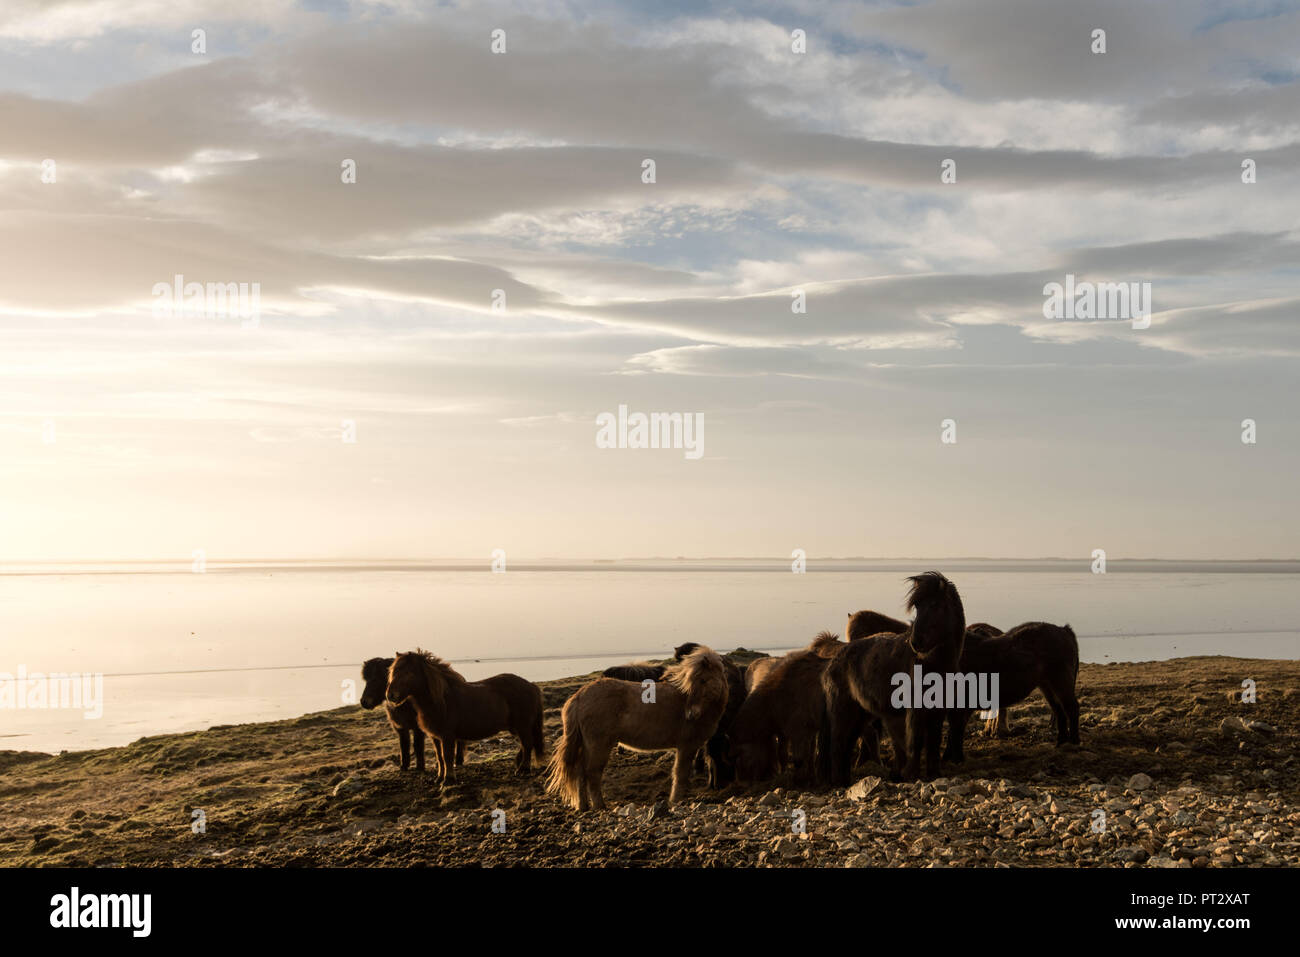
(451, 709)
(678, 713)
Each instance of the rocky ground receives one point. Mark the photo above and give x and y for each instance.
(1185, 774)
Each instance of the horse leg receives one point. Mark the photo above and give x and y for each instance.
(404, 744)
(845, 727)
(913, 743)
(447, 752)
(869, 741)
(896, 725)
(594, 771)
(523, 760)
(460, 754)
(681, 775)
(580, 771)
(1058, 714)
(1069, 714)
(419, 749)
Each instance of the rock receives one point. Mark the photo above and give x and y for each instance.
(660, 810)
(1139, 782)
(1232, 723)
(1261, 727)
(786, 847)
(770, 799)
(349, 785)
(861, 790)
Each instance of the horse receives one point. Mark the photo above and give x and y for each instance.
(999, 725)
(826, 644)
(782, 715)
(865, 623)
(859, 684)
(452, 709)
(634, 672)
(403, 719)
(680, 715)
(758, 671)
(721, 769)
(1033, 655)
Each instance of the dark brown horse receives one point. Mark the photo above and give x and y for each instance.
(865, 623)
(782, 716)
(722, 771)
(635, 672)
(859, 683)
(402, 717)
(452, 709)
(1033, 655)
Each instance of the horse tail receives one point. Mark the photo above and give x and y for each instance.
(1074, 656)
(566, 760)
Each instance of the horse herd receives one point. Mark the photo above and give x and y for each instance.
(817, 711)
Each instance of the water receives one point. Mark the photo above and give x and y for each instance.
(248, 642)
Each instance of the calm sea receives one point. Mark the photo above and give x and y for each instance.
(254, 641)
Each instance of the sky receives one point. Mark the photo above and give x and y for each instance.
(435, 341)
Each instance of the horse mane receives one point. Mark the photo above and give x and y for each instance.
(438, 674)
(373, 668)
(699, 676)
(826, 643)
(927, 586)
(681, 651)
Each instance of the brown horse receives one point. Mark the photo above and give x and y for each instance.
(1033, 655)
(999, 724)
(402, 717)
(758, 671)
(639, 671)
(679, 713)
(859, 683)
(782, 715)
(452, 709)
(865, 623)
(826, 644)
(721, 769)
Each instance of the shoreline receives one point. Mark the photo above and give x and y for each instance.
(298, 704)
(323, 789)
